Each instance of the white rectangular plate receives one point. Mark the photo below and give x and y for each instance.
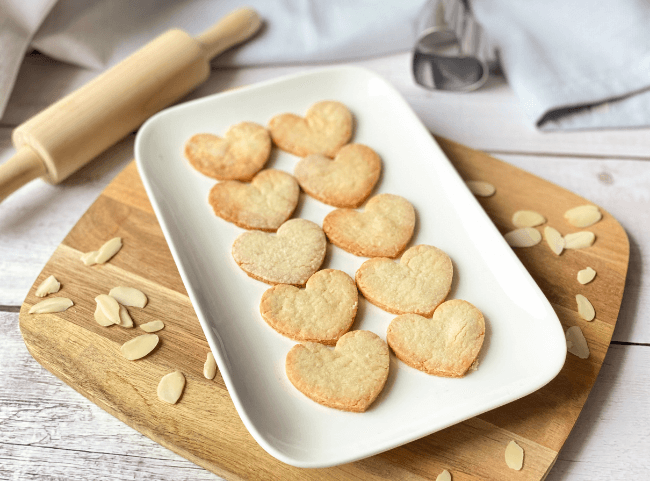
(524, 344)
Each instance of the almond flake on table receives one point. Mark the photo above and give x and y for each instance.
(101, 318)
(444, 476)
(125, 317)
(105, 252)
(139, 347)
(153, 326)
(585, 276)
(524, 237)
(171, 387)
(128, 296)
(514, 456)
(210, 367)
(579, 240)
(583, 216)
(481, 188)
(576, 342)
(527, 218)
(109, 307)
(585, 308)
(53, 304)
(48, 286)
(554, 240)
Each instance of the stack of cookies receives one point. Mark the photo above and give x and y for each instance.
(318, 307)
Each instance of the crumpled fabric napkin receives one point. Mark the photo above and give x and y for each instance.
(98, 34)
(578, 64)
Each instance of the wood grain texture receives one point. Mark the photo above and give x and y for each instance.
(204, 426)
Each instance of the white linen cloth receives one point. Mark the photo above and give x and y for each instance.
(573, 64)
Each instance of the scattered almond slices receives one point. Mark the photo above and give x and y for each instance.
(105, 252)
(210, 367)
(101, 319)
(523, 237)
(444, 476)
(139, 347)
(514, 456)
(171, 387)
(585, 309)
(554, 240)
(583, 216)
(48, 286)
(53, 304)
(153, 326)
(585, 276)
(128, 296)
(576, 342)
(527, 218)
(579, 240)
(481, 188)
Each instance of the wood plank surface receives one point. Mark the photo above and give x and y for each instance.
(204, 426)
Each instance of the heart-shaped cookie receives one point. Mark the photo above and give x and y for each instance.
(322, 312)
(345, 181)
(289, 257)
(348, 377)
(382, 230)
(445, 345)
(326, 128)
(239, 155)
(264, 204)
(415, 285)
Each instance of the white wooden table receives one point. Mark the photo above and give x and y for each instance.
(49, 432)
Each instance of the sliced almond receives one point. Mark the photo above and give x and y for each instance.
(152, 326)
(140, 346)
(48, 286)
(579, 240)
(583, 216)
(585, 276)
(585, 309)
(527, 218)
(481, 188)
(109, 307)
(171, 387)
(101, 318)
(444, 476)
(53, 304)
(128, 296)
(90, 258)
(514, 456)
(105, 252)
(576, 342)
(210, 367)
(524, 237)
(554, 240)
(125, 317)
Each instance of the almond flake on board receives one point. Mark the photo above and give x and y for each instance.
(585, 309)
(109, 307)
(576, 342)
(171, 387)
(583, 216)
(514, 456)
(554, 240)
(481, 188)
(101, 318)
(105, 252)
(153, 326)
(128, 296)
(444, 476)
(48, 286)
(210, 367)
(524, 237)
(125, 317)
(53, 304)
(585, 276)
(579, 240)
(527, 218)
(140, 346)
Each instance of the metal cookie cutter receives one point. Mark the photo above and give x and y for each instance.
(451, 52)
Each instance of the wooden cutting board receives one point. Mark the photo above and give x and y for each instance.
(204, 426)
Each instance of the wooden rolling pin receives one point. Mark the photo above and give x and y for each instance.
(62, 138)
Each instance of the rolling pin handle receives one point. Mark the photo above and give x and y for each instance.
(232, 29)
(26, 165)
